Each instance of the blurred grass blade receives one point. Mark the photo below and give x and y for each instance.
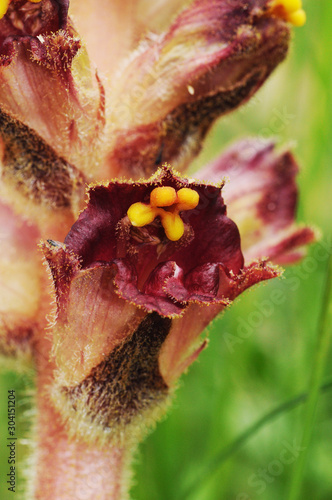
(220, 458)
(324, 339)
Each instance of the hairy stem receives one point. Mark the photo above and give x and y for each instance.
(67, 467)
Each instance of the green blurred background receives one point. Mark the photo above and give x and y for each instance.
(230, 388)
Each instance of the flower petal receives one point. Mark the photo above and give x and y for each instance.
(215, 55)
(131, 304)
(261, 196)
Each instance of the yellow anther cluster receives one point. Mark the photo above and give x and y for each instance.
(4, 4)
(166, 203)
(289, 10)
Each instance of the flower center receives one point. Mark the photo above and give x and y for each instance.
(166, 203)
(4, 4)
(289, 10)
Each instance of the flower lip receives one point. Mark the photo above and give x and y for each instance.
(146, 260)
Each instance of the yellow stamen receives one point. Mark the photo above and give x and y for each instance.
(289, 10)
(173, 225)
(291, 5)
(187, 199)
(163, 197)
(4, 4)
(298, 18)
(141, 214)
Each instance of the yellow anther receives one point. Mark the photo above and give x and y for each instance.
(172, 224)
(187, 199)
(289, 10)
(4, 4)
(291, 5)
(141, 214)
(298, 18)
(163, 197)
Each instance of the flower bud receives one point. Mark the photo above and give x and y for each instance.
(46, 81)
(214, 56)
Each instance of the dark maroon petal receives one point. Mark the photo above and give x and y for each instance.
(217, 239)
(157, 282)
(94, 235)
(200, 285)
(24, 18)
(254, 273)
(152, 297)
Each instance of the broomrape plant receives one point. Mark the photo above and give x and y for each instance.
(141, 264)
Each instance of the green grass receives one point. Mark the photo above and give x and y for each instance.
(228, 391)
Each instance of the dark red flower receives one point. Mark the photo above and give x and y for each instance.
(112, 277)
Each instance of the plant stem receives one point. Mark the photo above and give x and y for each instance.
(324, 338)
(70, 468)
